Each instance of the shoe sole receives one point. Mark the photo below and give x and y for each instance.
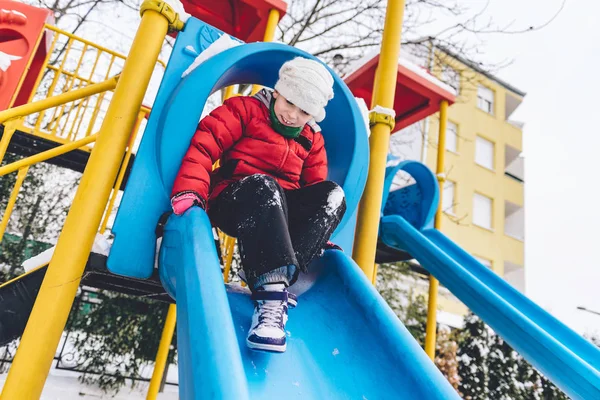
(266, 347)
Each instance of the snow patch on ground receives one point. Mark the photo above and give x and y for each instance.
(100, 246)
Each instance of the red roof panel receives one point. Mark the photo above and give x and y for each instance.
(243, 19)
(416, 97)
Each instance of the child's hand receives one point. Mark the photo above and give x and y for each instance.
(181, 202)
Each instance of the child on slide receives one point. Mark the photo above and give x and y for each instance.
(270, 191)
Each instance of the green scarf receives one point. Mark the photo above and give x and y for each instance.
(284, 130)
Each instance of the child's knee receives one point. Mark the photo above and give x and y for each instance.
(336, 198)
(261, 181)
(264, 187)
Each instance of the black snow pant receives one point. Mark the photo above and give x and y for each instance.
(279, 231)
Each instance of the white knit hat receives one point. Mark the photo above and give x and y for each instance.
(307, 84)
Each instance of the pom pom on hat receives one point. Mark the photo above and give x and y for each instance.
(307, 84)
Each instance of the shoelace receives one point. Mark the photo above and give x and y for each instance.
(271, 313)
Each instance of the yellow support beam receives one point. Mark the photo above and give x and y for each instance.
(54, 101)
(12, 200)
(229, 246)
(383, 95)
(430, 331)
(272, 22)
(34, 356)
(162, 353)
(46, 155)
(374, 279)
(121, 176)
(228, 92)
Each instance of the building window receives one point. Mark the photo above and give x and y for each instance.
(451, 136)
(484, 261)
(448, 197)
(485, 99)
(484, 152)
(451, 77)
(482, 211)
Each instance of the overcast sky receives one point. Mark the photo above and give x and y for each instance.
(556, 66)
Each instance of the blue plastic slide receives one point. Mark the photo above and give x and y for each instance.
(569, 360)
(344, 342)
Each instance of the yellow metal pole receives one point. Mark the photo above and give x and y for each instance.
(272, 22)
(162, 353)
(430, 331)
(228, 92)
(47, 320)
(54, 101)
(9, 130)
(229, 245)
(374, 279)
(387, 72)
(116, 188)
(12, 200)
(46, 155)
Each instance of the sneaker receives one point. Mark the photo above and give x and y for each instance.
(292, 298)
(267, 331)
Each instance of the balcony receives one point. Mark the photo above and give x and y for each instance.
(514, 221)
(511, 104)
(514, 163)
(515, 275)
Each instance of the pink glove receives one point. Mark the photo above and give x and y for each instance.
(181, 202)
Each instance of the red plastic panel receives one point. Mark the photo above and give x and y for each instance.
(243, 19)
(21, 30)
(416, 97)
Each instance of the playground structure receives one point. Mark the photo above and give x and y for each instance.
(353, 359)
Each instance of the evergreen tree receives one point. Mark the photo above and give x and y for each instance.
(415, 316)
(502, 368)
(115, 337)
(391, 284)
(549, 391)
(526, 378)
(490, 369)
(38, 214)
(472, 359)
(395, 284)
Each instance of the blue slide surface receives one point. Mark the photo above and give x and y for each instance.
(406, 224)
(566, 358)
(344, 342)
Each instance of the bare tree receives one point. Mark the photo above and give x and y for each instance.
(345, 30)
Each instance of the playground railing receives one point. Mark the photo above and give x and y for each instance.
(73, 63)
(22, 166)
(14, 118)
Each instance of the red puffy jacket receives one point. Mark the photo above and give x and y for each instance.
(239, 133)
